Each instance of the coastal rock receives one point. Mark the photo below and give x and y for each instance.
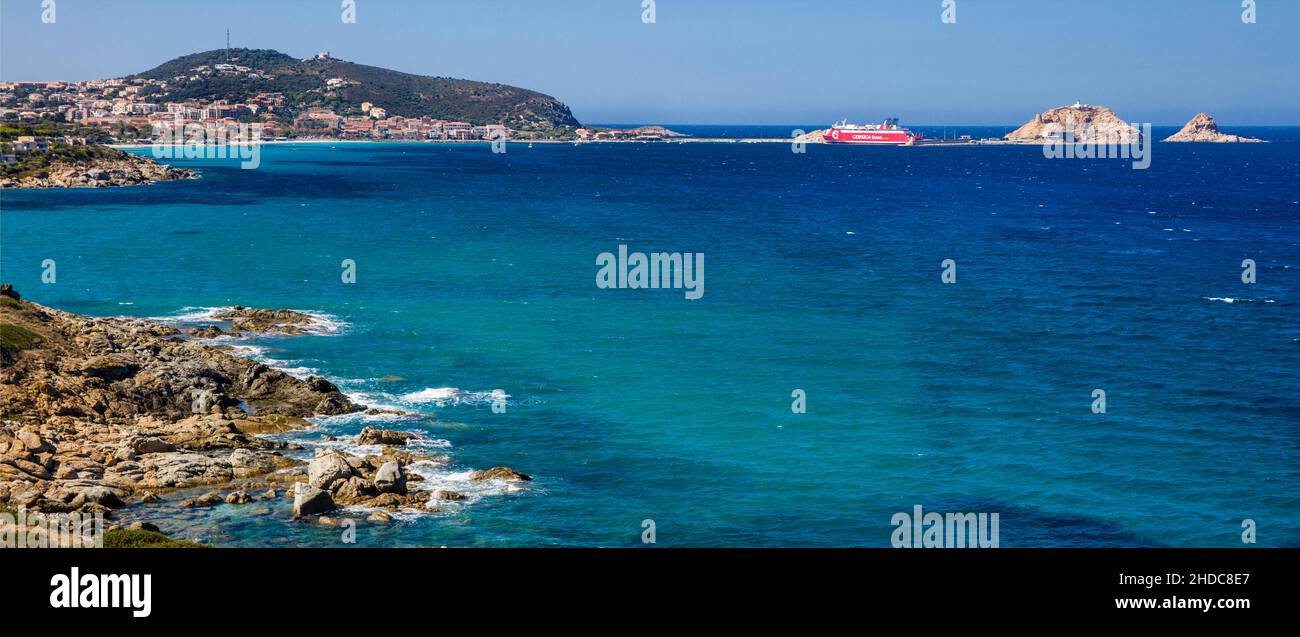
(353, 490)
(111, 402)
(500, 473)
(150, 444)
(390, 478)
(102, 167)
(260, 321)
(372, 436)
(450, 496)
(205, 500)
(207, 331)
(1087, 123)
(96, 412)
(813, 137)
(327, 468)
(1203, 129)
(309, 500)
(380, 517)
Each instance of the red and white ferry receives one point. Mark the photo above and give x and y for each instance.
(888, 132)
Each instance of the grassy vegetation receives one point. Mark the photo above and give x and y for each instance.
(14, 339)
(141, 539)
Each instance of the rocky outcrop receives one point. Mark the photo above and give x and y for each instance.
(1086, 123)
(98, 413)
(122, 169)
(260, 321)
(372, 436)
(1203, 129)
(98, 407)
(206, 331)
(500, 473)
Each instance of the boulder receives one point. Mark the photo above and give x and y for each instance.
(353, 489)
(327, 468)
(32, 442)
(390, 478)
(238, 497)
(309, 500)
(98, 495)
(451, 496)
(150, 444)
(205, 500)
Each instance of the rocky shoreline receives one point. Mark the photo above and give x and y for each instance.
(97, 414)
(124, 169)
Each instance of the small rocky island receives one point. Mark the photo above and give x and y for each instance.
(1203, 129)
(100, 413)
(1099, 122)
(39, 163)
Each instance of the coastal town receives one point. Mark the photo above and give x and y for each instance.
(130, 110)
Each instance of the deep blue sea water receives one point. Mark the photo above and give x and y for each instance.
(476, 271)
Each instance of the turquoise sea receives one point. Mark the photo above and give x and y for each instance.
(476, 271)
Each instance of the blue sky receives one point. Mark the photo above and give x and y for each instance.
(736, 61)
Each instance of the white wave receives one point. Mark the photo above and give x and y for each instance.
(250, 351)
(348, 444)
(321, 324)
(1229, 299)
(379, 400)
(437, 477)
(189, 314)
(325, 324)
(443, 396)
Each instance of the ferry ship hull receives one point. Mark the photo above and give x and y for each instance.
(880, 137)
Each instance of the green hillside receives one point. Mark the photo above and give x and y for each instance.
(303, 84)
